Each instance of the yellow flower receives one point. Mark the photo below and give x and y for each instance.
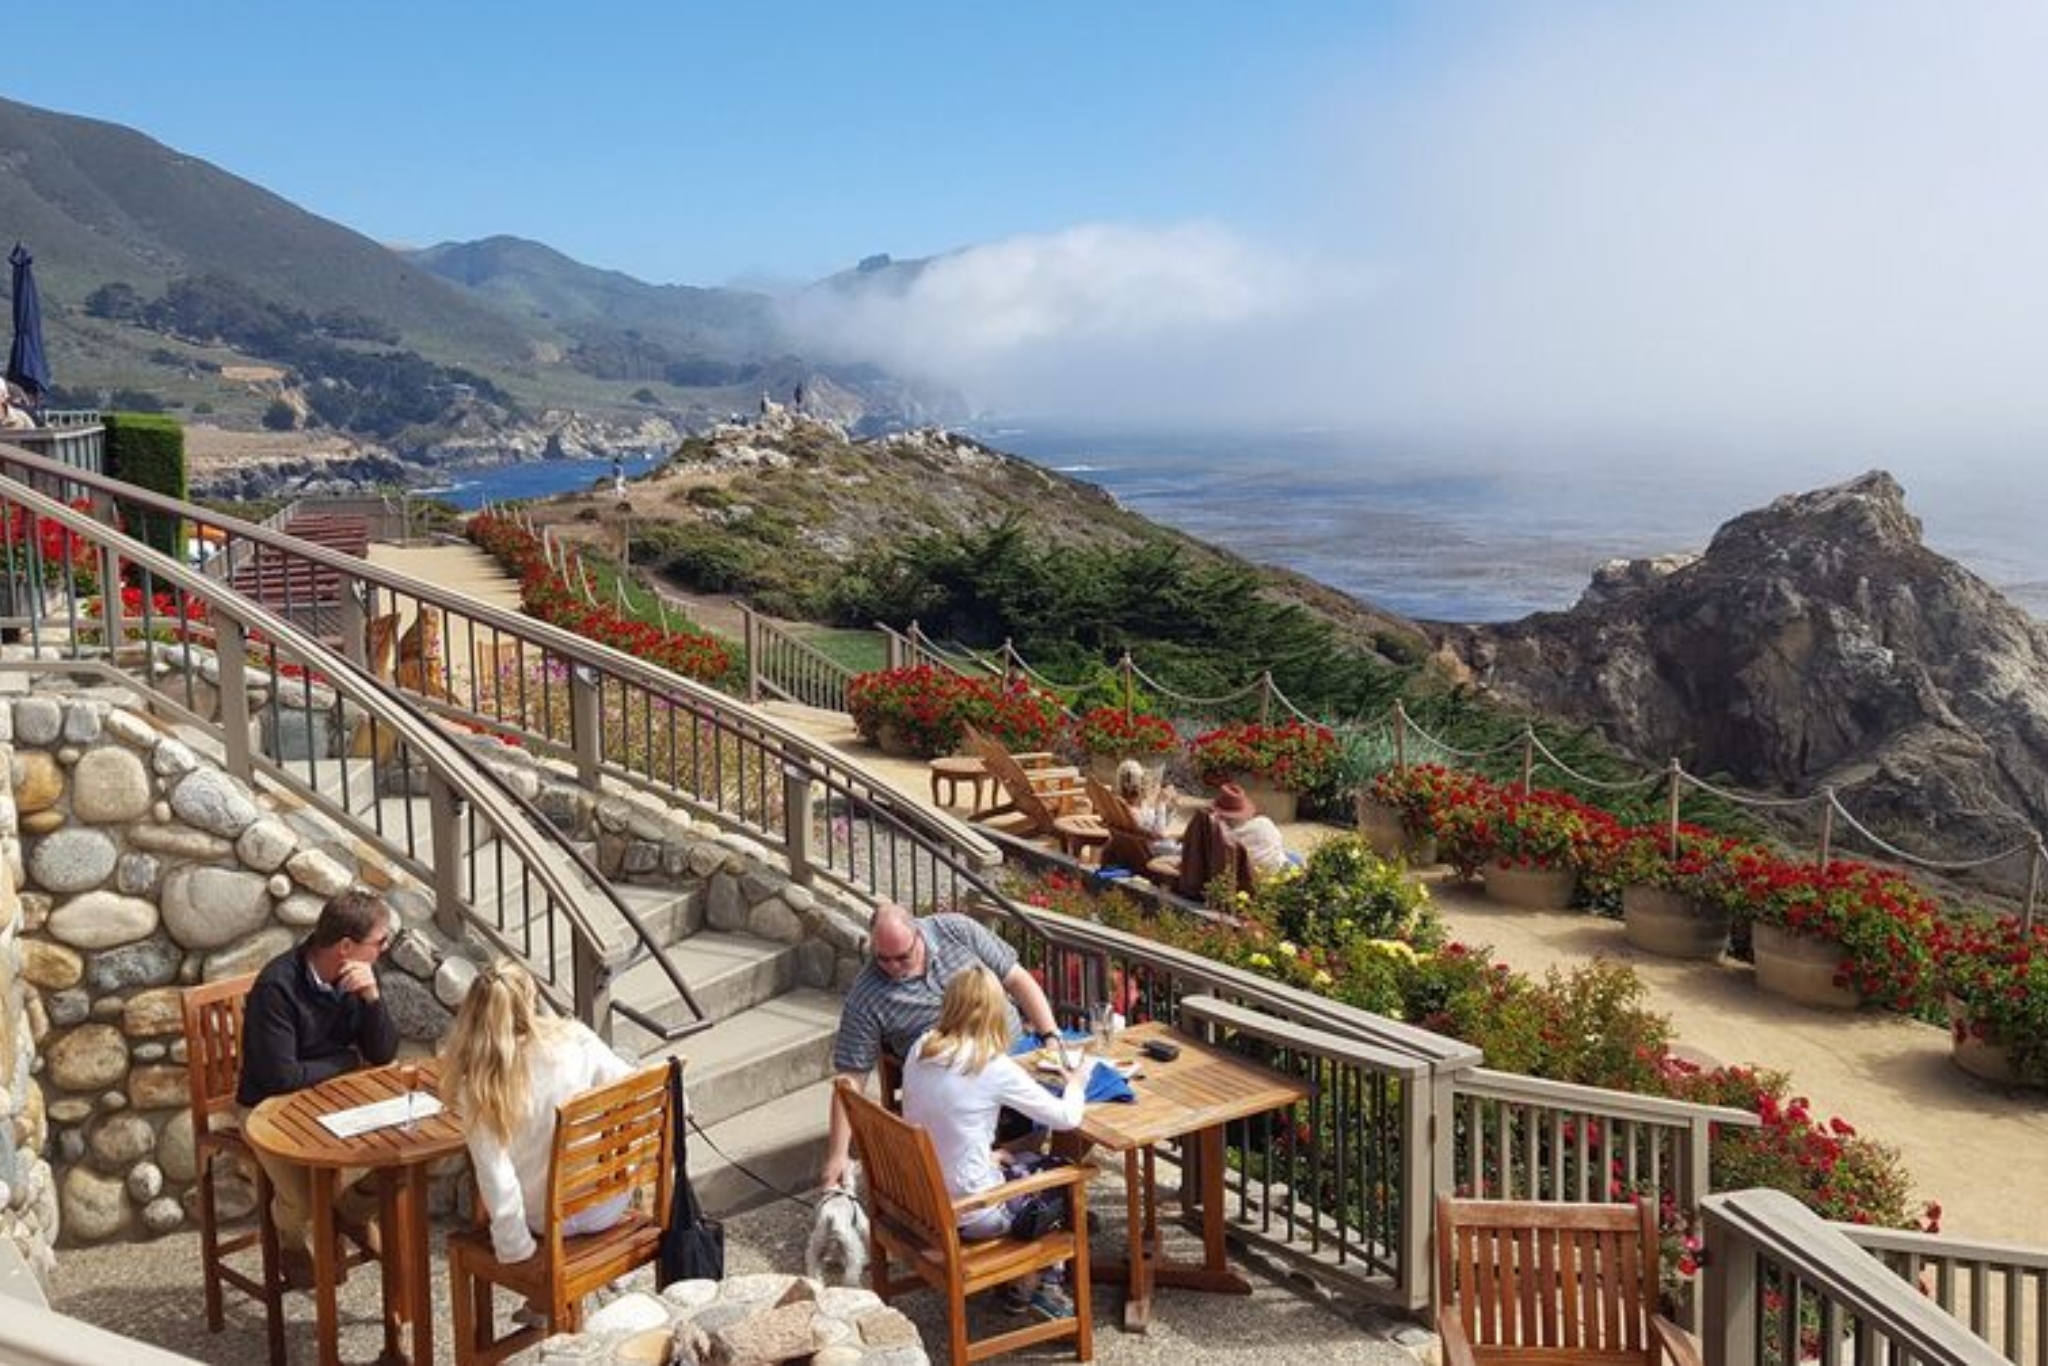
(1394, 948)
(1287, 947)
(1259, 960)
(1322, 978)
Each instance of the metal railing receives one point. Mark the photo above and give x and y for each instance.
(1398, 1114)
(292, 712)
(1999, 1291)
(74, 438)
(1784, 1287)
(782, 665)
(611, 716)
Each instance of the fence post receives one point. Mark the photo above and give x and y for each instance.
(585, 735)
(104, 513)
(231, 651)
(2033, 884)
(1009, 660)
(1699, 1141)
(751, 643)
(592, 985)
(444, 816)
(1671, 800)
(1827, 827)
(1528, 758)
(1128, 668)
(1266, 697)
(1400, 736)
(799, 801)
(355, 623)
(1728, 1334)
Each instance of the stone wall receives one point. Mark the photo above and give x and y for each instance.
(28, 1191)
(144, 869)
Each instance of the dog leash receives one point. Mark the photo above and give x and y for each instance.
(743, 1169)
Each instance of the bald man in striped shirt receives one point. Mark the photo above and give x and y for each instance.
(896, 998)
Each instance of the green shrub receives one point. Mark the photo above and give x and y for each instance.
(1346, 892)
(279, 416)
(148, 451)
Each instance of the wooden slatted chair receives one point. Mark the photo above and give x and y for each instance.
(1130, 844)
(611, 1141)
(912, 1219)
(1035, 796)
(213, 1063)
(1551, 1284)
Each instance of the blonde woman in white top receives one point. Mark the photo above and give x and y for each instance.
(957, 1079)
(506, 1066)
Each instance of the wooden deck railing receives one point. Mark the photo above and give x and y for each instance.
(1998, 1290)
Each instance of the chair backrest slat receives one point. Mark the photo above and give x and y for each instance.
(213, 1044)
(610, 1141)
(901, 1169)
(1565, 1282)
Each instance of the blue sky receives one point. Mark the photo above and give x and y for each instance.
(1739, 230)
(702, 143)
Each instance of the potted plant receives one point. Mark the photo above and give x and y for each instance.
(1016, 714)
(1273, 764)
(913, 711)
(1679, 891)
(1995, 974)
(1398, 812)
(1110, 735)
(1838, 936)
(1540, 841)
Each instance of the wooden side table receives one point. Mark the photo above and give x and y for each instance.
(1081, 835)
(951, 770)
(289, 1127)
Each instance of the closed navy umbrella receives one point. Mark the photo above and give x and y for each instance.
(26, 363)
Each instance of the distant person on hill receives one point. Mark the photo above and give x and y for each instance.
(1250, 831)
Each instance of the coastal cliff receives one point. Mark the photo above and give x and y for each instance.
(1816, 642)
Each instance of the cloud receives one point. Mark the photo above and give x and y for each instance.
(1749, 228)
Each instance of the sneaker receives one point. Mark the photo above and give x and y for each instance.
(1050, 1302)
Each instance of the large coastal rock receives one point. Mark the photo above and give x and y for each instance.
(1817, 642)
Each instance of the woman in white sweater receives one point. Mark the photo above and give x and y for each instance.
(505, 1067)
(957, 1079)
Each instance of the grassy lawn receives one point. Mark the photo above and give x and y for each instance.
(860, 651)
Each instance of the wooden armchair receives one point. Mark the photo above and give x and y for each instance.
(213, 1063)
(611, 1141)
(1035, 796)
(1551, 1284)
(1130, 844)
(911, 1217)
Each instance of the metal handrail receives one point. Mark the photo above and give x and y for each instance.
(931, 836)
(453, 774)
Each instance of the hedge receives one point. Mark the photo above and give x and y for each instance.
(148, 451)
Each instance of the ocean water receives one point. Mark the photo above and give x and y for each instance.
(1462, 538)
(467, 488)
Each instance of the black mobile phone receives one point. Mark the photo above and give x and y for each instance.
(1159, 1050)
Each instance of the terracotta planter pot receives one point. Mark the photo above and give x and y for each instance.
(892, 741)
(1801, 969)
(1382, 827)
(1276, 802)
(1661, 922)
(1986, 1059)
(1531, 889)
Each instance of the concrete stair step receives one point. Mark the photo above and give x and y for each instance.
(781, 1142)
(727, 973)
(751, 1058)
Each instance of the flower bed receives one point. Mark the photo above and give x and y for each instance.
(1587, 1026)
(547, 596)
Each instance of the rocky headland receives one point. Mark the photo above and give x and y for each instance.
(1816, 643)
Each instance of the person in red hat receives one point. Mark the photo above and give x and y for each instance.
(1255, 834)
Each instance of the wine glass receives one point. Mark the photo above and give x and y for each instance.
(409, 1078)
(1073, 1053)
(1102, 1024)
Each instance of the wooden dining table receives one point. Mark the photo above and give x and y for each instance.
(288, 1127)
(1192, 1098)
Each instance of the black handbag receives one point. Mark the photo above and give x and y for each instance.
(693, 1247)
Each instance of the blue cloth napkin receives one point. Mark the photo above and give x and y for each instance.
(1105, 1083)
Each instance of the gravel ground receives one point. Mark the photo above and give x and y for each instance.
(151, 1291)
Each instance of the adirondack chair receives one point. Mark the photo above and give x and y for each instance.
(1551, 1284)
(1130, 844)
(1034, 797)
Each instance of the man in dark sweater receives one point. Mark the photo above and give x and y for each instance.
(315, 1013)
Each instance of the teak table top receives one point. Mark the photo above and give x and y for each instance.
(1202, 1088)
(289, 1126)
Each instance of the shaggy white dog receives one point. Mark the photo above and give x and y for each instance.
(838, 1250)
